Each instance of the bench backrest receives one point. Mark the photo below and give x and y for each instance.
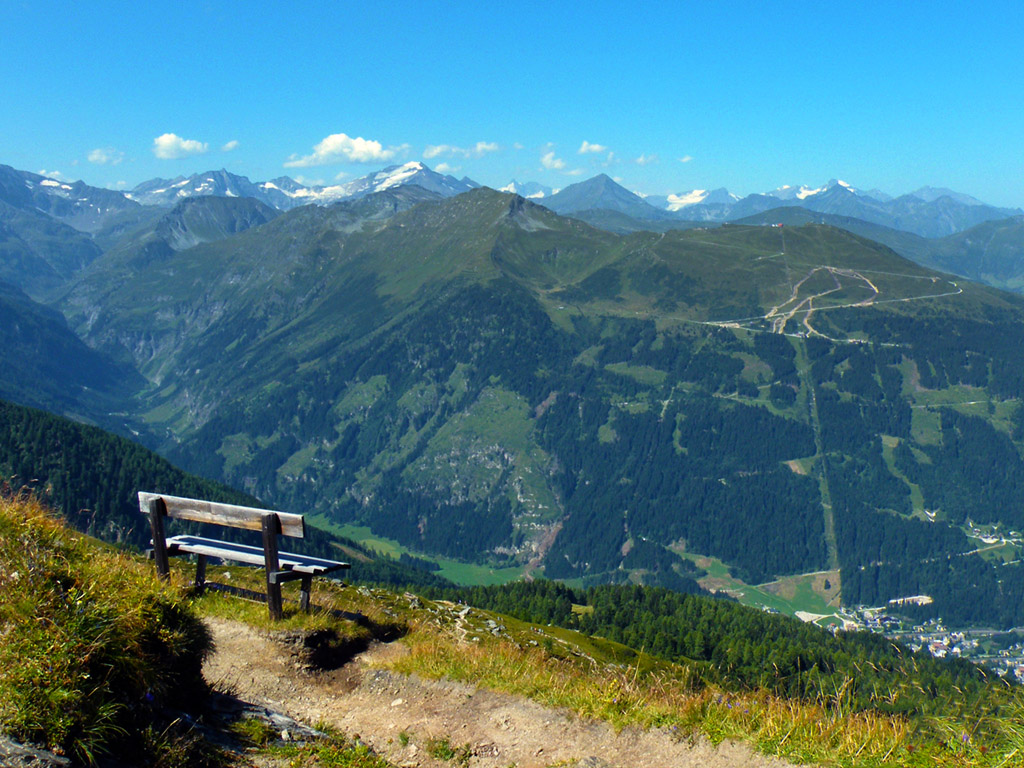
(230, 515)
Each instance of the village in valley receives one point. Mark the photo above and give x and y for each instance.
(1000, 651)
(814, 598)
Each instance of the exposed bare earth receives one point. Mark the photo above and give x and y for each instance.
(501, 730)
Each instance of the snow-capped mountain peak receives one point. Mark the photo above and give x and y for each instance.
(284, 193)
(802, 192)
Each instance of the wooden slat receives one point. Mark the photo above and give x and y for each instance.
(230, 515)
(243, 553)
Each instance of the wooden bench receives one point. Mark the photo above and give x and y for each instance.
(280, 566)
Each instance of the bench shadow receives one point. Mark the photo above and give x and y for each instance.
(322, 649)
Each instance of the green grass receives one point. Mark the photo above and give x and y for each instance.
(93, 645)
(297, 462)
(441, 748)
(926, 426)
(643, 374)
(360, 397)
(787, 595)
(916, 496)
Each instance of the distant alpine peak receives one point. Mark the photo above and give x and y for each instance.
(840, 183)
(790, 192)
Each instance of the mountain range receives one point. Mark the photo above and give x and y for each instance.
(285, 193)
(478, 377)
(928, 212)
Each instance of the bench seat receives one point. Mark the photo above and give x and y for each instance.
(242, 553)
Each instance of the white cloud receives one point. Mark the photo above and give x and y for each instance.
(341, 175)
(342, 148)
(517, 145)
(117, 185)
(446, 168)
(52, 174)
(230, 146)
(646, 159)
(587, 148)
(433, 150)
(551, 162)
(480, 149)
(609, 160)
(104, 155)
(309, 182)
(484, 147)
(574, 172)
(685, 159)
(170, 146)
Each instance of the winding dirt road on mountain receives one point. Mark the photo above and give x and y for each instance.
(386, 709)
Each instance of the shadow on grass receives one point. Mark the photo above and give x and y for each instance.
(323, 649)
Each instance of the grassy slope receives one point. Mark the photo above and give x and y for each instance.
(93, 646)
(99, 618)
(598, 679)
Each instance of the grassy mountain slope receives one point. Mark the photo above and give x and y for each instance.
(483, 379)
(989, 252)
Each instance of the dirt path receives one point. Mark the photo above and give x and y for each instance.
(384, 709)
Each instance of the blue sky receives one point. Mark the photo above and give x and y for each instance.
(676, 96)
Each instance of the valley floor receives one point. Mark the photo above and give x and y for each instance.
(399, 715)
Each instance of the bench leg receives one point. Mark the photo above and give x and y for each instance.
(271, 528)
(305, 587)
(274, 601)
(200, 572)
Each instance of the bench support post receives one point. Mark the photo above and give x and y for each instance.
(271, 527)
(304, 588)
(157, 512)
(200, 572)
